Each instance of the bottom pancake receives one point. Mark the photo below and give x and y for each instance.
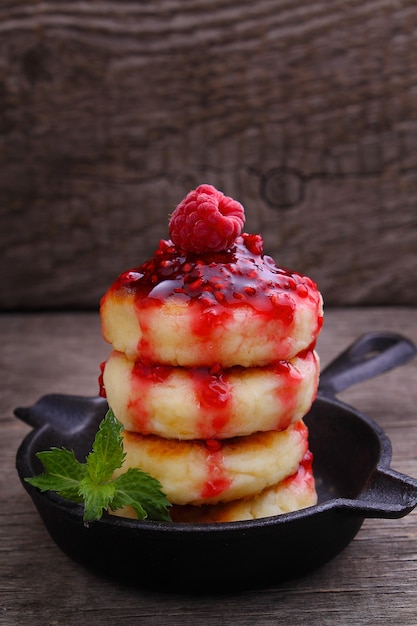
(207, 472)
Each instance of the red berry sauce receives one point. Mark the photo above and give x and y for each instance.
(102, 389)
(214, 282)
(142, 378)
(217, 477)
(287, 394)
(304, 474)
(214, 395)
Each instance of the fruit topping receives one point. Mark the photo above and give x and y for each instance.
(206, 221)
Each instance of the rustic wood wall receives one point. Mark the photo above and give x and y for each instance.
(111, 111)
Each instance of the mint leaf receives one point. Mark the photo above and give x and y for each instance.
(107, 454)
(96, 498)
(63, 473)
(92, 484)
(143, 493)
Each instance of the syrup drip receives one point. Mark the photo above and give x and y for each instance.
(214, 395)
(102, 389)
(288, 393)
(304, 471)
(148, 377)
(217, 478)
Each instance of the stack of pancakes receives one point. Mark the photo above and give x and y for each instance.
(212, 370)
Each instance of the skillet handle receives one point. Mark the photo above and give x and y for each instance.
(388, 494)
(65, 413)
(370, 355)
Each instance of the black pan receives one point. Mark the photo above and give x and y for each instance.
(351, 464)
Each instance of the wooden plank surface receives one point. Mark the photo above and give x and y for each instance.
(110, 112)
(372, 582)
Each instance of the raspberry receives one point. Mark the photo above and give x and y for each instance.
(254, 243)
(206, 221)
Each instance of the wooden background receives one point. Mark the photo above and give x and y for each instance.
(110, 112)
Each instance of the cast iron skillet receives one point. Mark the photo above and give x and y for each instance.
(354, 481)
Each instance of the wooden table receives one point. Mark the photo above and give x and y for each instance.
(374, 581)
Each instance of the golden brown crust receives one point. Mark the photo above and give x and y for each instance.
(212, 471)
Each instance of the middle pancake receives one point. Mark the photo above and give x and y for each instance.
(209, 403)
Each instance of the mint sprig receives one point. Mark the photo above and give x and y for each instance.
(91, 483)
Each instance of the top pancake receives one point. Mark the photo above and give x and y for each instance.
(234, 307)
